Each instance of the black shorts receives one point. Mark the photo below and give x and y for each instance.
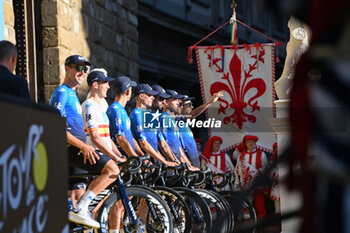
(77, 183)
(76, 159)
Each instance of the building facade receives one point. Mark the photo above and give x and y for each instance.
(146, 40)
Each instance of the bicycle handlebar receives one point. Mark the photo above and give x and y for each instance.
(129, 165)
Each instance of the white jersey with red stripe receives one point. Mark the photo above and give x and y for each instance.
(95, 118)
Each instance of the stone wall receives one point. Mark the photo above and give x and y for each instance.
(104, 31)
(9, 18)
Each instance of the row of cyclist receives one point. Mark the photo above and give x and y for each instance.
(109, 144)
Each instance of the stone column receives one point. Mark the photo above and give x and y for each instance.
(298, 44)
(289, 201)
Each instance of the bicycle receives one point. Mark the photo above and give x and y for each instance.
(153, 216)
(242, 208)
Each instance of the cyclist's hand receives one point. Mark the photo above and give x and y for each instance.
(216, 96)
(148, 162)
(89, 154)
(192, 168)
(120, 159)
(171, 164)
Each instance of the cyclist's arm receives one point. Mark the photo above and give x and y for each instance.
(116, 150)
(186, 160)
(125, 145)
(199, 110)
(137, 148)
(166, 151)
(203, 163)
(59, 102)
(102, 146)
(156, 155)
(87, 150)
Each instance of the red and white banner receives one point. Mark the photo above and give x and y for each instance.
(246, 77)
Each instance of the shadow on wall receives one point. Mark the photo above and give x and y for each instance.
(112, 38)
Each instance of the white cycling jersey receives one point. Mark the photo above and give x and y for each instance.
(95, 118)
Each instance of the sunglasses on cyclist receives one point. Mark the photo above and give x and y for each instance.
(188, 104)
(80, 68)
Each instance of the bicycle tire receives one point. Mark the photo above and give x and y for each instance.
(219, 212)
(229, 212)
(181, 207)
(205, 225)
(241, 223)
(138, 193)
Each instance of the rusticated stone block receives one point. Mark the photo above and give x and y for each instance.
(132, 18)
(131, 5)
(50, 37)
(122, 63)
(10, 34)
(49, 13)
(9, 16)
(134, 51)
(133, 69)
(101, 3)
(51, 66)
(132, 33)
(48, 90)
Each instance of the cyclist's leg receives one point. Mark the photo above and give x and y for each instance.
(107, 176)
(77, 186)
(139, 197)
(116, 216)
(108, 171)
(104, 166)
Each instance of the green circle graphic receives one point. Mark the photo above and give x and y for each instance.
(40, 168)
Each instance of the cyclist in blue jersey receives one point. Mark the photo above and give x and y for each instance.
(80, 154)
(170, 129)
(147, 136)
(186, 111)
(119, 120)
(157, 106)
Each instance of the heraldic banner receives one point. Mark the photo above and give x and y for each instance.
(246, 77)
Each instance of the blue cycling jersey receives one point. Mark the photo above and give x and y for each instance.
(188, 140)
(119, 123)
(152, 135)
(66, 101)
(171, 133)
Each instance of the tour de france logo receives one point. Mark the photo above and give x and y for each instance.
(40, 167)
(24, 168)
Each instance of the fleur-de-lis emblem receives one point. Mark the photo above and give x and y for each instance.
(237, 85)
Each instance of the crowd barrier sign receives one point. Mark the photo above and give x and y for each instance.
(33, 168)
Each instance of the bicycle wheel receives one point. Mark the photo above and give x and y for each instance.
(219, 212)
(146, 203)
(229, 212)
(200, 211)
(231, 215)
(178, 207)
(244, 212)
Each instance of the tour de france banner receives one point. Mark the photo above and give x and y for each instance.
(33, 168)
(245, 75)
